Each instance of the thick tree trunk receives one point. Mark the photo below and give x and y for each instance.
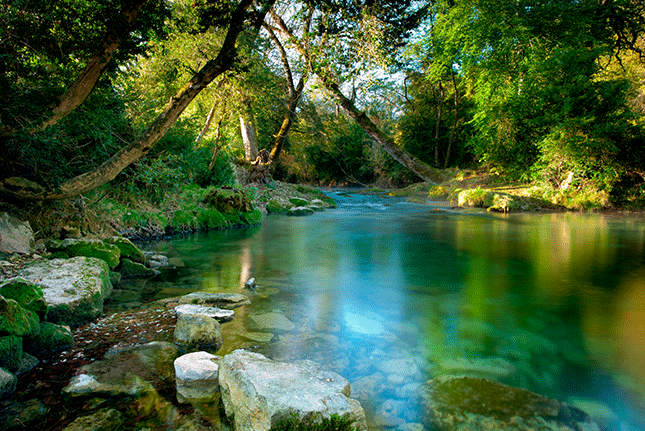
(109, 169)
(81, 88)
(249, 139)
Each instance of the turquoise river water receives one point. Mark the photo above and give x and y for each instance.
(390, 294)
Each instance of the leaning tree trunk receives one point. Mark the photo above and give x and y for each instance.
(454, 121)
(109, 169)
(207, 124)
(418, 167)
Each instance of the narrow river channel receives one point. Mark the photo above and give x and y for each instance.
(390, 294)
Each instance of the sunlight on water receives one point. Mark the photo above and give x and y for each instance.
(390, 294)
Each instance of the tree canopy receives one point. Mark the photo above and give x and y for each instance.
(543, 91)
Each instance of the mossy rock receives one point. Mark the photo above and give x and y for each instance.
(229, 200)
(51, 338)
(298, 202)
(278, 206)
(130, 269)
(13, 318)
(300, 211)
(102, 420)
(127, 248)
(10, 352)
(438, 192)
(210, 218)
(110, 253)
(25, 293)
(470, 402)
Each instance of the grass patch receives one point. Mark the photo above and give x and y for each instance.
(333, 423)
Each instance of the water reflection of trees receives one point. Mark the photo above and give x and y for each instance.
(549, 294)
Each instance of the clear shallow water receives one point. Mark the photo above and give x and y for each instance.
(390, 294)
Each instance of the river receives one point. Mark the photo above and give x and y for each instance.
(390, 294)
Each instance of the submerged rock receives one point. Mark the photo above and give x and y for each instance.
(271, 322)
(74, 289)
(7, 383)
(21, 415)
(470, 403)
(51, 338)
(257, 392)
(102, 420)
(494, 368)
(131, 269)
(131, 371)
(300, 211)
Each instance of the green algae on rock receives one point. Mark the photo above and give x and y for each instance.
(470, 403)
(25, 293)
(88, 247)
(74, 289)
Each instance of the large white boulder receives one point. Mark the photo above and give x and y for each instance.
(196, 376)
(74, 289)
(258, 392)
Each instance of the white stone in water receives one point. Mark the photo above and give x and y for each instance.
(216, 313)
(196, 375)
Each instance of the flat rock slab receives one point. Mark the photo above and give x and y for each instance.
(227, 301)
(258, 393)
(126, 372)
(74, 289)
(471, 403)
(218, 314)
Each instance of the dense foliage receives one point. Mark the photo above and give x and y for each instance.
(549, 92)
